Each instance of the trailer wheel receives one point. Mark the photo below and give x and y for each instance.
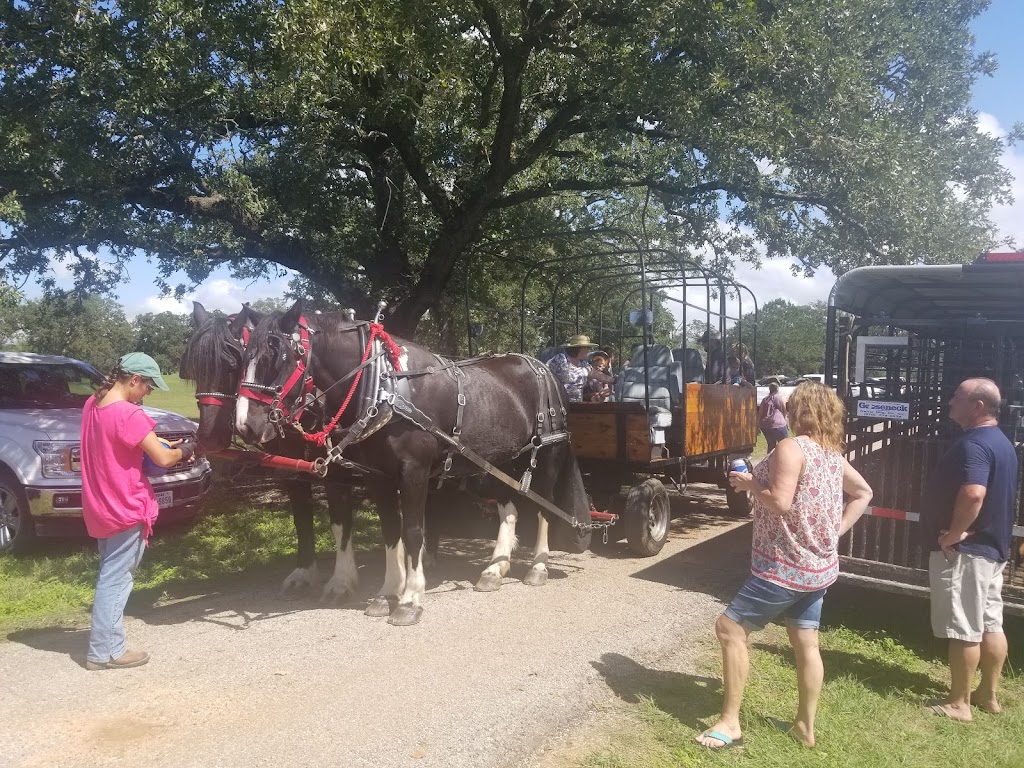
(646, 517)
(739, 502)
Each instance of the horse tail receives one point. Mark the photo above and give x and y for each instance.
(571, 497)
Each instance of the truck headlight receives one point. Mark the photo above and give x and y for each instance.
(61, 458)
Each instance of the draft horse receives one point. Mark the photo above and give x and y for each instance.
(212, 360)
(411, 418)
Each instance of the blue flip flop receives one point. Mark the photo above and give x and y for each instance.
(727, 742)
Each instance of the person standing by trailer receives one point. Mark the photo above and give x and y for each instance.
(118, 503)
(967, 512)
(771, 416)
(806, 496)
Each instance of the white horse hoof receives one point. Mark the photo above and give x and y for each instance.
(380, 606)
(406, 615)
(335, 592)
(489, 582)
(536, 578)
(299, 580)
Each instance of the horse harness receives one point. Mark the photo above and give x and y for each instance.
(382, 388)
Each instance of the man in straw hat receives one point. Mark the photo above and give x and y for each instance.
(572, 369)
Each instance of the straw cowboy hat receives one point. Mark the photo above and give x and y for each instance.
(580, 340)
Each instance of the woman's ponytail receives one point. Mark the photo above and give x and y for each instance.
(112, 378)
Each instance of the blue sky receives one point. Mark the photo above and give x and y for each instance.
(998, 99)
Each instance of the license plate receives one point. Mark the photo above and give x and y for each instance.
(164, 499)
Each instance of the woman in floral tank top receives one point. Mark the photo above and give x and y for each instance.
(799, 516)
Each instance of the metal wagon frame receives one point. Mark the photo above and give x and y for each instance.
(611, 439)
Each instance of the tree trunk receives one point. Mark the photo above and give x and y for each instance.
(444, 254)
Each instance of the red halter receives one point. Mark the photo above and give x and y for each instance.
(272, 396)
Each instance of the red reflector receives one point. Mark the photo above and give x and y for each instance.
(1000, 257)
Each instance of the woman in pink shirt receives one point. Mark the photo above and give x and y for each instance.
(799, 515)
(118, 503)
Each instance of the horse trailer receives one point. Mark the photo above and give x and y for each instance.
(899, 340)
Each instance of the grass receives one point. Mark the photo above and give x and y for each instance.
(761, 447)
(242, 534)
(181, 398)
(880, 665)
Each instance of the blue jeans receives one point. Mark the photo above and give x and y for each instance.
(759, 602)
(774, 436)
(120, 555)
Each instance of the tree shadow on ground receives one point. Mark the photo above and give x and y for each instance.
(690, 699)
(237, 601)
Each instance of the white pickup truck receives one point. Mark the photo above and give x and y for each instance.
(41, 399)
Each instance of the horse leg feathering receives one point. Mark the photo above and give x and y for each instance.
(501, 559)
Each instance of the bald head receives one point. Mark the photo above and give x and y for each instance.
(987, 392)
(975, 403)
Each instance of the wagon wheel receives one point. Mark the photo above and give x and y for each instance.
(646, 517)
(739, 502)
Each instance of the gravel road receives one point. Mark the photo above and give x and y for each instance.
(241, 676)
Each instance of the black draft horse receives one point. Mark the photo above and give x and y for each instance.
(500, 406)
(212, 360)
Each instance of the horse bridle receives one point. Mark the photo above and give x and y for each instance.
(273, 395)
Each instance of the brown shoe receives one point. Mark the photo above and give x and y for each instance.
(126, 660)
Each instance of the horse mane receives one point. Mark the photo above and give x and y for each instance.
(210, 353)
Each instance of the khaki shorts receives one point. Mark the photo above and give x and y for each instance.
(967, 595)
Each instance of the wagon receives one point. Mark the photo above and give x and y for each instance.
(666, 425)
(899, 341)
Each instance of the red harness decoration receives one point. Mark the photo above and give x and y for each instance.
(273, 396)
(394, 353)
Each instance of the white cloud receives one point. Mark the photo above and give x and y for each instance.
(1009, 219)
(221, 293)
(62, 272)
(989, 125)
(774, 280)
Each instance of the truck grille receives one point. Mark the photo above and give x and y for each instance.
(181, 466)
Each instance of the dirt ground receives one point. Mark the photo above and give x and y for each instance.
(240, 675)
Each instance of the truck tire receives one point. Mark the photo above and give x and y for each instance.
(17, 530)
(646, 517)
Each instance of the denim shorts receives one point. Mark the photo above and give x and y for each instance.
(759, 602)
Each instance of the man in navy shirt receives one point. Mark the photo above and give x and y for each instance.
(967, 515)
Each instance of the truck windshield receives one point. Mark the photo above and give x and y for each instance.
(35, 385)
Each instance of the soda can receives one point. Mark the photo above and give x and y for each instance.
(739, 464)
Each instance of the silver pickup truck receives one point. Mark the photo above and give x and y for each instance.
(41, 399)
